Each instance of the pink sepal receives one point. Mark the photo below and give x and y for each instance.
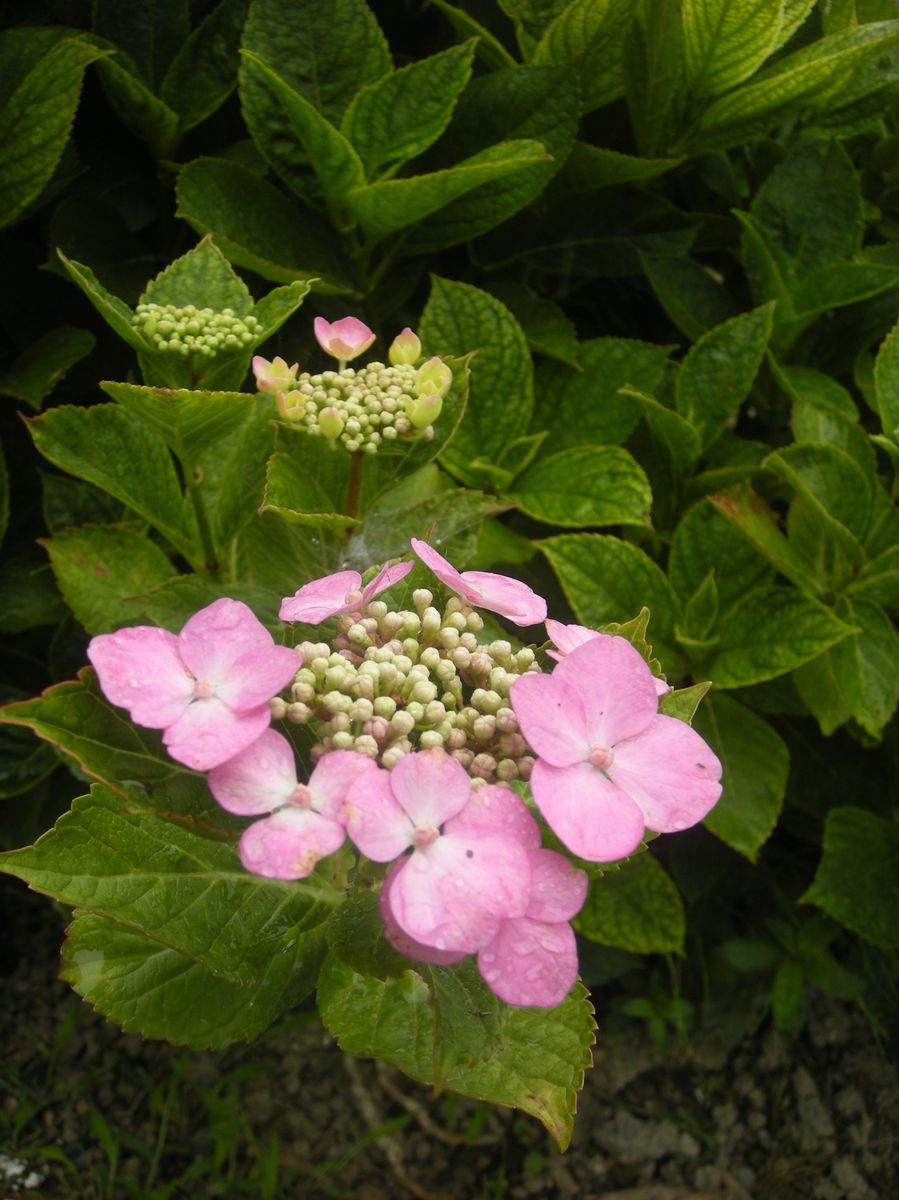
(140, 669)
(208, 733)
(400, 940)
(510, 598)
(589, 814)
(288, 844)
(558, 887)
(344, 339)
(530, 963)
(259, 779)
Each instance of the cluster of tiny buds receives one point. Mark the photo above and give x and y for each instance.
(393, 682)
(191, 330)
(361, 408)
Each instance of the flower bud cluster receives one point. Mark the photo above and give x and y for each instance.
(191, 330)
(365, 407)
(391, 682)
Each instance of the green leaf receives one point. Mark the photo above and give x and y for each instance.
(36, 120)
(356, 937)
(878, 580)
(593, 485)
(635, 908)
(296, 494)
(706, 541)
(538, 1065)
(189, 422)
(715, 377)
(398, 116)
(859, 677)
(257, 226)
(393, 204)
(587, 37)
(4, 494)
(535, 104)
(332, 158)
(823, 411)
(837, 284)
(756, 764)
(172, 603)
(204, 71)
(28, 594)
(654, 76)
(771, 631)
(36, 371)
(788, 998)
(587, 405)
(806, 81)
(604, 579)
(113, 450)
(832, 480)
(202, 277)
(24, 763)
(886, 382)
(457, 319)
(98, 568)
(857, 881)
(682, 703)
(155, 945)
(546, 327)
(115, 312)
(726, 41)
(138, 107)
(589, 168)
(489, 49)
(678, 437)
(812, 206)
(273, 309)
(758, 523)
(387, 528)
(150, 34)
(694, 298)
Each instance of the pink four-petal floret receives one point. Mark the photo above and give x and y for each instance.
(509, 597)
(344, 339)
(341, 592)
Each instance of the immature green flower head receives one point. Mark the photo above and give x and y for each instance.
(189, 330)
(405, 349)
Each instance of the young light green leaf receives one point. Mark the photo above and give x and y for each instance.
(202, 277)
(588, 405)
(458, 319)
(115, 312)
(857, 881)
(587, 37)
(537, 1066)
(604, 579)
(98, 568)
(273, 309)
(589, 168)
(384, 207)
(168, 897)
(398, 116)
(771, 631)
(726, 41)
(138, 106)
(756, 763)
(189, 422)
(635, 908)
(35, 122)
(293, 492)
(36, 371)
(717, 374)
(886, 382)
(204, 71)
(592, 485)
(108, 447)
(654, 76)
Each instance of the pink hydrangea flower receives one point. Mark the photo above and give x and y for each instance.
(338, 593)
(510, 598)
(306, 823)
(275, 376)
(460, 882)
(208, 687)
(609, 764)
(532, 959)
(345, 339)
(569, 637)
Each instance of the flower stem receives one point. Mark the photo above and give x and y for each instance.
(355, 483)
(193, 486)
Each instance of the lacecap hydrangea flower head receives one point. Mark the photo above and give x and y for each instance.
(420, 726)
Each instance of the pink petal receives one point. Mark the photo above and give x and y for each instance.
(215, 638)
(558, 888)
(321, 598)
(551, 717)
(510, 598)
(430, 785)
(670, 772)
(497, 810)
(288, 844)
(530, 963)
(386, 578)
(258, 675)
(453, 894)
(400, 940)
(345, 338)
(567, 638)
(374, 821)
(140, 669)
(333, 777)
(615, 685)
(259, 779)
(208, 733)
(587, 812)
(444, 570)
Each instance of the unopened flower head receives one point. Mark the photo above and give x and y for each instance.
(190, 330)
(275, 376)
(345, 339)
(405, 349)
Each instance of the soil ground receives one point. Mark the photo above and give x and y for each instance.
(92, 1113)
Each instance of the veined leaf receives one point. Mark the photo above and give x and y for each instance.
(588, 36)
(590, 485)
(726, 41)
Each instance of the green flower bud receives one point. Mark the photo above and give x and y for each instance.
(425, 410)
(404, 349)
(434, 377)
